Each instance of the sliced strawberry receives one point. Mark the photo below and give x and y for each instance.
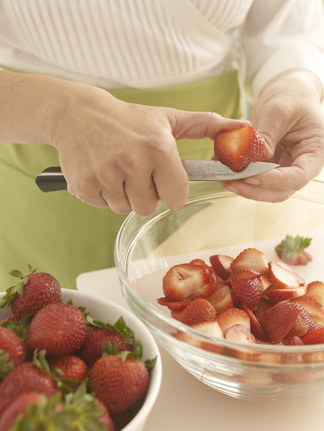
(209, 268)
(221, 264)
(198, 310)
(301, 326)
(265, 282)
(281, 275)
(262, 307)
(221, 299)
(252, 259)
(276, 294)
(188, 281)
(316, 291)
(240, 333)
(314, 308)
(314, 337)
(231, 317)
(256, 327)
(280, 319)
(173, 305)
(247, 286)
(237, 148)
(292, 341)
(211, 328)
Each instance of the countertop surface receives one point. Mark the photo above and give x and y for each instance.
(184, 403)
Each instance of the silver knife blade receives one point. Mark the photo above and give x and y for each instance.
(52, 179)
(210, 170)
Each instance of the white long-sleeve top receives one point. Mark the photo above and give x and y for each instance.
(157, 43)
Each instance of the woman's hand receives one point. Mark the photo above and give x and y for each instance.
(124, 156)
(289, 115)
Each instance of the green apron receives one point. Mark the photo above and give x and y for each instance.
(57, 233)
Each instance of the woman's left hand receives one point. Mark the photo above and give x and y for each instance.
(290, 117)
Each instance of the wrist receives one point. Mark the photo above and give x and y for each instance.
(301, 82)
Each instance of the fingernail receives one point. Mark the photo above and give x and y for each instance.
(252, 181)
(232, 189)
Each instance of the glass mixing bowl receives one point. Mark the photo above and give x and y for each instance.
(220, 222)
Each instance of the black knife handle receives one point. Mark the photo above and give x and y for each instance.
(51, 180)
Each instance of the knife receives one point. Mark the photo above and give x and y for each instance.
(52, 179)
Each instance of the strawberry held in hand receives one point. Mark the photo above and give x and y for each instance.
(237, 148)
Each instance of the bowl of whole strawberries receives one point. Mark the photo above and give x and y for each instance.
(69, 360)
(233, 288)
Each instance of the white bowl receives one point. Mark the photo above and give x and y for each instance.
(108, 311)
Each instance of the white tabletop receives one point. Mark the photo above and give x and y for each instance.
(184, 403)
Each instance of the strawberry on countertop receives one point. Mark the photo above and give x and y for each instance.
(237, 148)
(292, 251)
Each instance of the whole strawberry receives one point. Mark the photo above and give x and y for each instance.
(25, 377)
(33, 291)
(12, 351)
(17, 407)
(119, 383)
(71, 370)
(95, 341)
(58, 329)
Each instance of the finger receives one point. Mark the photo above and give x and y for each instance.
(172, 183)
(198, 125)
(89, 194)
(116, 198)
(142, 194)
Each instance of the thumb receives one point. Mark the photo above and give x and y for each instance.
(198, 125)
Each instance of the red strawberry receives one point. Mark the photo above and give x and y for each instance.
(276, 294)
(292, 251)
(34, 291)
(12, 351)
(293, 341)
(69, 367)
(188, 281)
(17, 407)
(256, 327)
(198, 310)
(25, 377)
(314, 308)
(240, 333)
(221, 299)
(316, 291)
(282, 276)
(237, 148)
(251, 259)
(221, 264)
(119, 383)
(231, 317)
(105, 418)
(58, 329)
(95, 341)
(173, 305)
(280, 319)
(247, 286)
(211, 328)
(314, 337)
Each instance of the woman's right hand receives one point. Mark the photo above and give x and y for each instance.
(124, 156)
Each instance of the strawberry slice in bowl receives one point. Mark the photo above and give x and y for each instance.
(188, 281)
